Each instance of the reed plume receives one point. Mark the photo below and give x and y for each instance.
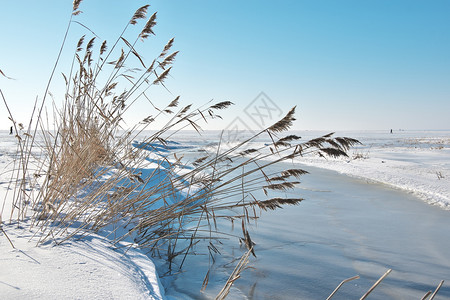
(148, 29)
(285, 123)
(76, 4)
(139, 14)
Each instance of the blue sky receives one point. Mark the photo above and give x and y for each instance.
(346, 65)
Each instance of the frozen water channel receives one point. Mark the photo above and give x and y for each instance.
(345, 227)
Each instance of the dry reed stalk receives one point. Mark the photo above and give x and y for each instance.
(437, 290)
(236, 274)
(376, 284)
(426, 295)
(341, 284)
(21, 178)
(7, 237)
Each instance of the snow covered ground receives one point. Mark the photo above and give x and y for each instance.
(417, 162)
(82, 269)
(85, 268)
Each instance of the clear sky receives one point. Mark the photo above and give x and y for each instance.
(346, 65)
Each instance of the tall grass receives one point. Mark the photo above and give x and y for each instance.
(84, 174)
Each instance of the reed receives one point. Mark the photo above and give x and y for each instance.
(84, 175)
(377, 283)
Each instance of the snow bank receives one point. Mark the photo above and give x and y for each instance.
(417, 162)
(83, 269)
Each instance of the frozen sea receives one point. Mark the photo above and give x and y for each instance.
(386, 206)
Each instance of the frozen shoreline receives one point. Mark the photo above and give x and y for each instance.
(417, 161)
(417, 164)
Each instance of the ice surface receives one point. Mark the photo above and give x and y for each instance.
(345, 227)
(378, 218)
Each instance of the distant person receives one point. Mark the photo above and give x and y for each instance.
(10, 130)
(391, 130)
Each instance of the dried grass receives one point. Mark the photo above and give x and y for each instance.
(88, 175)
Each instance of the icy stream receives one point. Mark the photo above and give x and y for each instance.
(346, 227)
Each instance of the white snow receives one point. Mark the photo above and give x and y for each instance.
(84, 268)
(417, 162)
(89, 268)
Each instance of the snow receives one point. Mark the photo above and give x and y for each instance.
(417, 162)
(90, 268)
(82, 269)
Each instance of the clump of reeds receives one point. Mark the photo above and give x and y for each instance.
(89, 176)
